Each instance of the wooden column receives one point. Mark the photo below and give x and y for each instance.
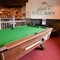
(13, 21)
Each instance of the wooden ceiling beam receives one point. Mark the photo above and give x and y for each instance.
(14, 2)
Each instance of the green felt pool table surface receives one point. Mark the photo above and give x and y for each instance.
(10, 35)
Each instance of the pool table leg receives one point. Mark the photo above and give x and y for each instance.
(2, 56)
(43, 46)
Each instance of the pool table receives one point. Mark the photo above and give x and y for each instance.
(16, 42)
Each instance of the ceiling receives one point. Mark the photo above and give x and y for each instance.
(13, 3)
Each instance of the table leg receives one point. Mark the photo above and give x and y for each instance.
(2, 56)
(43, 46)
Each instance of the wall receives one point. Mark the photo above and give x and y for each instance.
(28, 13)
(23, 11)
(49, 22)
(47, 9)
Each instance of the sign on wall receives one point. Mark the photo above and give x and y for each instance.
(44, 10)
(43, 21)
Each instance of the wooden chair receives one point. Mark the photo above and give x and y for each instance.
(56, 27)
(56, 30)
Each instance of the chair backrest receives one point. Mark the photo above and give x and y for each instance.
(56, 27)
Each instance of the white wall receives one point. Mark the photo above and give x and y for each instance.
(23, 10)
(35, 9)
(28, 14)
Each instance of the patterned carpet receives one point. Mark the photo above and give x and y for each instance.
(52, 51)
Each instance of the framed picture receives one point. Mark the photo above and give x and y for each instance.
(43, 21)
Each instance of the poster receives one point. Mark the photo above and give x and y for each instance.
(43, 21)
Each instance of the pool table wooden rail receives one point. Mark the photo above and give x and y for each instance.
(17, 49)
